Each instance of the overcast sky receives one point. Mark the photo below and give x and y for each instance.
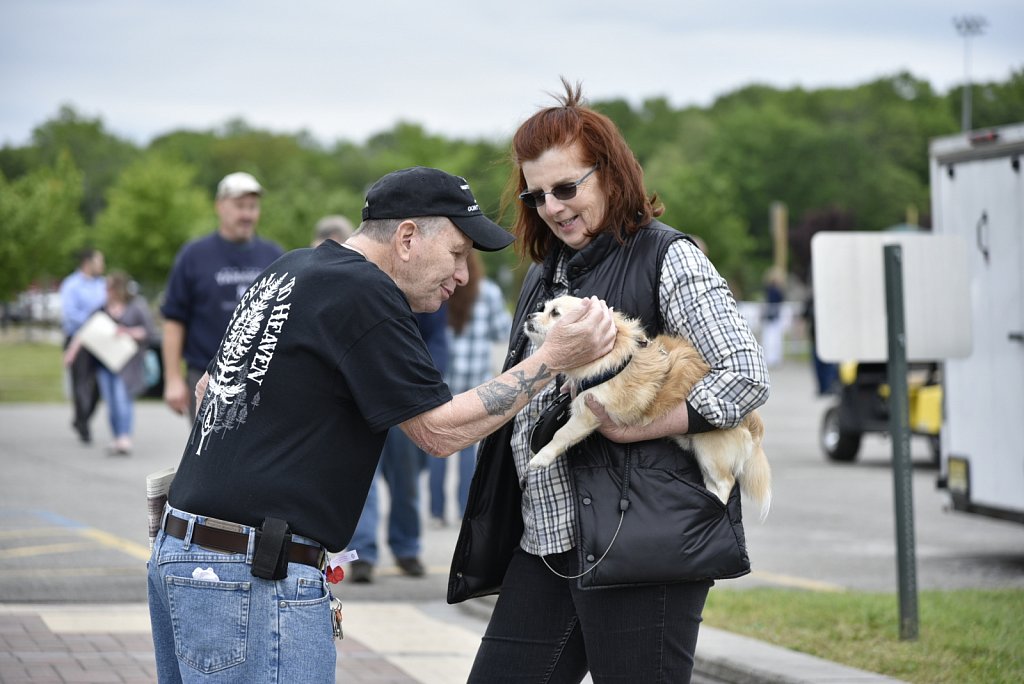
(345, 69)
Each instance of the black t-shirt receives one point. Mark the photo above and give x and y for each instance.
(321, 357)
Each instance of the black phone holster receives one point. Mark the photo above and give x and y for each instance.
(550, 419)
(270, 556)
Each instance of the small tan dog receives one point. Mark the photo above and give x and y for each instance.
(655, 376)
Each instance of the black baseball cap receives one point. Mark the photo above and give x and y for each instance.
(422, 191)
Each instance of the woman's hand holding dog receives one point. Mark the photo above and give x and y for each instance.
(675, 422)
(579, 337)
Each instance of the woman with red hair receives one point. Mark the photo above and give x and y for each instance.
(604, 560)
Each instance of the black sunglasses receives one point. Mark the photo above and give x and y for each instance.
(561, 192)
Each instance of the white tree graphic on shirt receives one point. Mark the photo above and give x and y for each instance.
(224, 404)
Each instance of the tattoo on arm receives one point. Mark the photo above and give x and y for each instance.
(499, 398)
(529, 385)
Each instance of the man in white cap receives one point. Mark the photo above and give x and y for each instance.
(209, 276)
(321, 358)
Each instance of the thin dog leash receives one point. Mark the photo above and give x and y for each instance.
(622, 514)
(623, 506)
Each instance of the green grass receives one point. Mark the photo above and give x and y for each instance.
(964, 636)
(31, 372)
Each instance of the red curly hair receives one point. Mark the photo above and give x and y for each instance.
(621, 178)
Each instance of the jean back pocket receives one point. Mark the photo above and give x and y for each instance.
(210, 620)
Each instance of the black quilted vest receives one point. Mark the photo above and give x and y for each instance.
(673, 529)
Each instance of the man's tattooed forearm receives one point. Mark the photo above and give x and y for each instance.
(499, 398)
(529, 385)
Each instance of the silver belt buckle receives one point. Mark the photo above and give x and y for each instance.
(224, 525)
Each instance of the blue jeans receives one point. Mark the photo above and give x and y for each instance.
(466, 460)
(827, 374)
(555, 632)
(400, 465)
(230, 626)
(119, 402)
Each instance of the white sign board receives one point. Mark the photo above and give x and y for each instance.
(848, 275)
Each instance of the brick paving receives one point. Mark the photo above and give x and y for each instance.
(30, 652)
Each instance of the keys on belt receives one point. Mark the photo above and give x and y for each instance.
(336, 618)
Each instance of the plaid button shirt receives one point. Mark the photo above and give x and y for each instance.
(696, 303)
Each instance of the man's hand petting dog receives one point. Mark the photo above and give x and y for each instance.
(581, 336)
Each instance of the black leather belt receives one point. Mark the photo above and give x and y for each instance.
(238, 542)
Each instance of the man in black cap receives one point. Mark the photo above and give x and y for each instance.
(321, 358)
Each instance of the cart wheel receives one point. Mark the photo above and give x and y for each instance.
(837, 444)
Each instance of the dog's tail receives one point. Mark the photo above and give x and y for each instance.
(756, 478)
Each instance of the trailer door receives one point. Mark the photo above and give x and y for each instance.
(983, 200)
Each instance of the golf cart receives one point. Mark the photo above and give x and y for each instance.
(863, 407)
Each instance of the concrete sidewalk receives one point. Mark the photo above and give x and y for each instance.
(435, 645)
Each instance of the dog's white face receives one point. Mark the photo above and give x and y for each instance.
(537, 324)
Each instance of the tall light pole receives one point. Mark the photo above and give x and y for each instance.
(968, 26)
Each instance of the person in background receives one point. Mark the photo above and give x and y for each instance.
(826, 373)
(321, 358)
(207, 280)
(401, 462)
(332, 227)
(119, 388)
(571, 599)
(477, 321)
(773, 318)
(81, 294)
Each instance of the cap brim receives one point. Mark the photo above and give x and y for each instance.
(487, 236)
(240, 192)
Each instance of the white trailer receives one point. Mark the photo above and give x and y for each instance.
(977, 188)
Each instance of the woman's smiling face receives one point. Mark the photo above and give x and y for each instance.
(570, 220)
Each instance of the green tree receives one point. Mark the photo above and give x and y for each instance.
(894, 117)
(702, 202)
(40, 225)
(99, 155)
(289, 213)
(811, 161)
(15, 162)
(154, 208)
(859, 152)
(992, 104)
(276, 160)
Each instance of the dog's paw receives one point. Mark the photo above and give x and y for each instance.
(541, 460)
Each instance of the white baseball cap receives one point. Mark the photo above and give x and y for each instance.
(238, 184)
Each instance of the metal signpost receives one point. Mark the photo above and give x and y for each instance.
(899, 421)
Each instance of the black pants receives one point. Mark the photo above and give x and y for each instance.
(85, 390)
(546, 630)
